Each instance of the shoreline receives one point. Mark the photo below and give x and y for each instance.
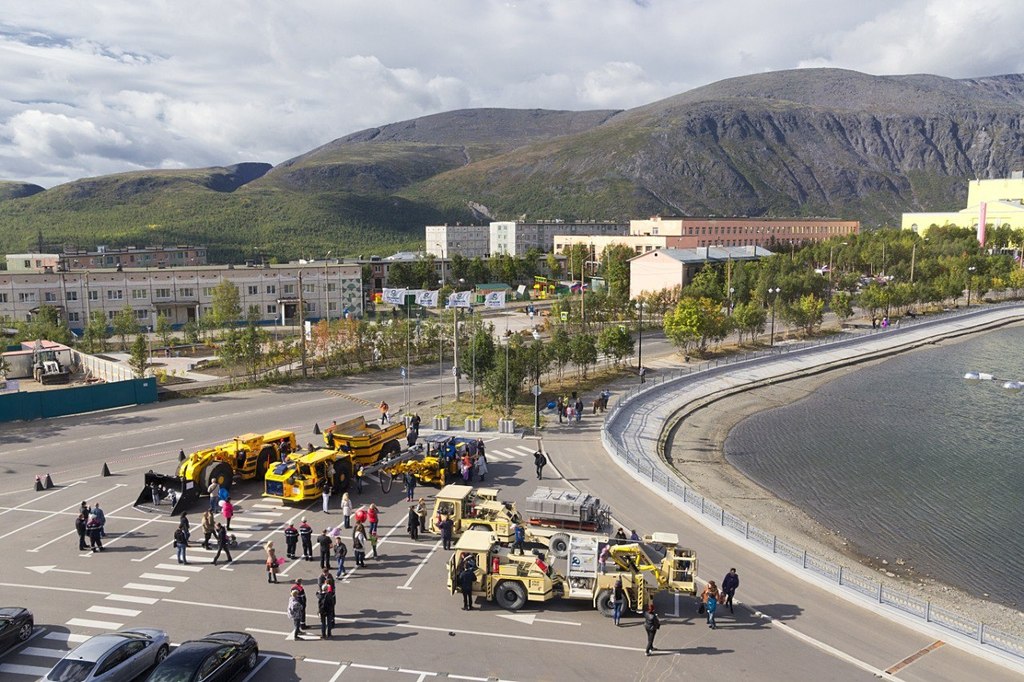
(695, 449)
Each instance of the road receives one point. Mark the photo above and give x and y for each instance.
(397, 620)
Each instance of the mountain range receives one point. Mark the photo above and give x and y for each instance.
(808, 142)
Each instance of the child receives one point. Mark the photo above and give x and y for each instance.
(373, 543)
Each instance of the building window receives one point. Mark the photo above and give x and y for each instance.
(142, 314)
(28, 264)
(161, 293)
(187, 292)
(253, 290)
(94, 295)
(207, 291)
(311, 307)
(50, 297)
(271, 289)
(288, 289)
(139, 294)
(331, 286)
(27, 297)
(3, 298)
(271, 309)
(71, 295)
(309, 288)
(74, 317)
(111, 314)
(115, 294)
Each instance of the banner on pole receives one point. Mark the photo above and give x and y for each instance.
(427, 299)
(461, 299)
(495, 299)
(394, 296)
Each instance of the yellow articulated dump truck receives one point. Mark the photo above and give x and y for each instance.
(246, 457)
(353, 446)
(511, 580)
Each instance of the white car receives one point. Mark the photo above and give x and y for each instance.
(112, 657)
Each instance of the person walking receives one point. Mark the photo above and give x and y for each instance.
(340, 552)
(95, 530)
(227, 510)
(306, 534)
(325, 492)
(446, 526)
(539, 460)
(271, 562)
(359, 544)
(180, 543)
(618, 599)
(410, 485)
(373, 517)
(481, 466)
(214, 490)
(209, 526)
(346, 509)
(100, 519)
(384, 418)
(295, 613)
(325, 544)
(297, 587)
(560, 408)
(413, 524)
(519, 539)
(466, 579)
(651, 625)
(730, 583)
(359, 480)
(222, 543)
(421, 512)
(81, 525)
(373, 544)
(185, 526)
(643, 375)
(710, 599)
(325, 606)
(291, 540)
(579, 409)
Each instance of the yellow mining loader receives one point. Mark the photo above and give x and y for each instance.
(245, 457)
(511, 580)
(436, 461)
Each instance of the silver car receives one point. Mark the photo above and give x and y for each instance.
(113, 657)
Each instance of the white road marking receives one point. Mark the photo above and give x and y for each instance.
(164, 576)
(343, 668)
(51, 515)
(131, 598)
(256, 670)
(369, 556)
(68, 637)
(111, 611)
(160, 549)
(36, 499)
(149, 588)
(841, 655)
(264, 505)
(419, 567)
(47, 569)
(268, 536)
(269, 632)
(32, 670)
(98, 624)
(42, 652)
(99, 593)
(179, 567)
(530, 619)
(152, 445)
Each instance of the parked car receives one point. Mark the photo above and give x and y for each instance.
(112, 657)
(217, 657)
(16, 624)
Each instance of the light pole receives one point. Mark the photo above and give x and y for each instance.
(455, 345)
(508, 343)
(640, 336)
(732, 290)
(774, 292)
(327, 290)
(970, 277)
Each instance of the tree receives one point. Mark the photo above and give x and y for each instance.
(227, 307)
(615, 342)
(46, 323)
(561, 352)
(250, 349)
(842, 305)
(873, 298)
(5, 367)
(806, 312)
(499, 386)
(164, 329)
(554, 265)
(749, 317)
(705, 284)
(96, 332)
(191, 331)
(125, 324)
(615, 270)
(694, 322)
(1017, 280)
(139, 356)
(479, 353)
(583, 348)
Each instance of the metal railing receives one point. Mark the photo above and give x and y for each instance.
(628, 448)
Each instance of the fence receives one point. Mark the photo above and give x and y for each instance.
(862, 585)
(103, 369)
(64, 401)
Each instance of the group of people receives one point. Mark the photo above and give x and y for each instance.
(326, 598)
(90, 523)
(712, 596)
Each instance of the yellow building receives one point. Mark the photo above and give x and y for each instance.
(1003, 201)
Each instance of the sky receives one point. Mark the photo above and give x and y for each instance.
(98, 87)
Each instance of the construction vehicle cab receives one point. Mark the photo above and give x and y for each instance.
(508, 580)
(301, 476)
(437, 461)
(656, 564)
(365, 442)
(474, 509)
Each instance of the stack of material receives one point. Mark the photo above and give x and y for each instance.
(569, 506)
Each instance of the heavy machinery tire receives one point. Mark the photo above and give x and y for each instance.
(267, 454)
(386, 480)
(390, 449)
(220, 471)
(604, 603)
(558, 545)
(510, 595)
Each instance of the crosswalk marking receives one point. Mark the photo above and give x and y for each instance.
(42, 652)
(68, 637)
(31, 670)
(98, 624)
(264, 505)
(525, 450)
(164, 576)
(499, 455)
(179, 567)
(149, 588)
(111, 611)
(131, 598)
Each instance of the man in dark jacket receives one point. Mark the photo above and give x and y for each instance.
(306, 533)
(730, 582)
(297, 587)
(326, 602)
(446, 527)
(80, 525)
(539, 460)
(291, 540)
(651, 625)
(95, 530)
(466, 578)
(324, 541)
(221, 533)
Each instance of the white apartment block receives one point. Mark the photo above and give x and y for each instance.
(328, 290)
(515, 238)
(470, 241)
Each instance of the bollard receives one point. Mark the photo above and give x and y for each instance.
(48, 482)
(106, 470)
(181, 455)
(316, 429)
(39, 484)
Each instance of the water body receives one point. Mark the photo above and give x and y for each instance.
(905, 459)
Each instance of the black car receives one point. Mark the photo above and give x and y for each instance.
(218, 656)
(16, 626)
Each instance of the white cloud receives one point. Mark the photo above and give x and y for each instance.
(96, 87)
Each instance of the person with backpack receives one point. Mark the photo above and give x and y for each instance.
(180, 543)
(185, 526)
(326, 603)
(359, 544)
(539, 460)
(340, 551)
(651, 625)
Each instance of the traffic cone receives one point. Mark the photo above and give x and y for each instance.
(48, 482)
(316, 429)
(106, 470)
(181, 455)
(39, 484)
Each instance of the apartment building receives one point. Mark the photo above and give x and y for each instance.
(108, 257)
(515, 238)
(470, 241)
(327, 289)
(689, 233)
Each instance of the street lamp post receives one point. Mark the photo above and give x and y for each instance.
(970, 278)
(640, 336)
(508, 343)
(775, 301)
(732, 290)
(327, 290)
